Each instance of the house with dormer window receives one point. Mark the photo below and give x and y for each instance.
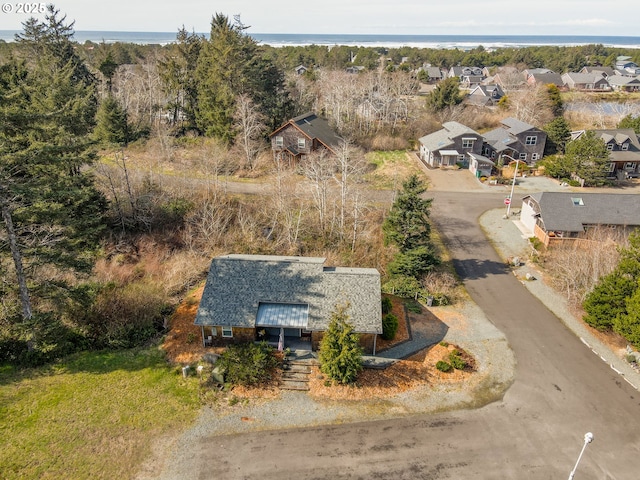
(301, 136)
(450, 146)
(516, 139)
(485, 95)
(624, 151)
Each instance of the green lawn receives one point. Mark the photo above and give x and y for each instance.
(93, 415)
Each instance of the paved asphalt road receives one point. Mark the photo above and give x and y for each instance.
(561, 391)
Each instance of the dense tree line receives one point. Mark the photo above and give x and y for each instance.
(53, 214)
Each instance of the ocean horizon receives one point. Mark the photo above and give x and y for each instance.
(464, 42)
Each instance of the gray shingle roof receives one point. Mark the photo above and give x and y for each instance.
(559, 211)
(314, 127)
(237, 284)
(619, 135)
(443, 138)
(547, 78)
(582, 78)
(516, 126)
(499, 139)
(318, 128)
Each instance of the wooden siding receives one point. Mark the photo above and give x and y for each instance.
(290, 136)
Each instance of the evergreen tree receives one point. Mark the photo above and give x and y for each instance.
(415, 262)
(608, 300)
(628, 324)
(446, 94)
(557, 106)
(340, 350)
(178, 75)
(558, 134)
(232, 64)
(590, 156)
(49, 202)
(108, 67)
(407, 225)
(111, 123)
(558, 166)
(630, 122)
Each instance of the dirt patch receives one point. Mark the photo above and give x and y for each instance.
(183, 344)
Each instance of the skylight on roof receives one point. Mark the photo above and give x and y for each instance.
(577, 201)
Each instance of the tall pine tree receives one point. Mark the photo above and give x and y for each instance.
(50, 205)
(232, 64)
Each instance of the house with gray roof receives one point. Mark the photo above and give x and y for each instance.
(600, 70)
(556, 216)
(303, 135)
(515, 139)
(586, 82)
(624, 151)
(450, 145)
(624, 83)
(247, 297)
(485, 95)
(432, 74)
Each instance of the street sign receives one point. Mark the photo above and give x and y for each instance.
(507, 201)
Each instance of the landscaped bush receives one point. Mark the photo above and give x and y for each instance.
(389, 326)
(456, 360)
(387, 306)
(248, 363)
(443, 366)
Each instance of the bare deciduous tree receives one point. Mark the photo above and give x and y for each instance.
(318, 168)
(532, 105)
(350, 165)
(577, 265)
(250, 128)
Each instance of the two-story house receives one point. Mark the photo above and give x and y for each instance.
(469, 76)
(450, 145)
(301, 136)
(624, 151)
(516, 139)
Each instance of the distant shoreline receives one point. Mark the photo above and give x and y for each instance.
(464, 42)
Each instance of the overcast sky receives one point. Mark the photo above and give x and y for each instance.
(489, 17)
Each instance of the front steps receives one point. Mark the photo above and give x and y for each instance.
(296, 371)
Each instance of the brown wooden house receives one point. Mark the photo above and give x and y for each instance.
(301, 136)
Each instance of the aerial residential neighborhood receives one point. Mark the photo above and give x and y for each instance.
(236, 254)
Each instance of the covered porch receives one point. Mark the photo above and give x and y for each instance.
(284, 325)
